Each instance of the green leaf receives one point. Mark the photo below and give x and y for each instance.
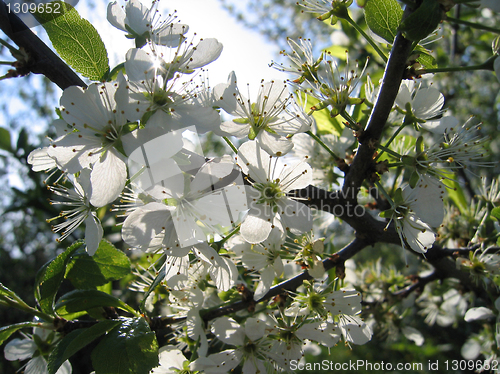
(130, 348)
(324, 122)
(426, 60)
(422, 21)
(7, 331)
(383, 18)
(5, 291)
(456, 194)
(79, 300)
(496, 213)
(50, 276)
(5, 142)
(107, 264)
(75, 341)
(76, 40)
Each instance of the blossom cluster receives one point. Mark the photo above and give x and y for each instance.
(226, 227)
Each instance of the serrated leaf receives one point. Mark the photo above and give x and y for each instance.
(50, 276)
(422, 21)
(383, 18)
(495, 212)
(7, 331)
(75, 40)
(80, 300)
(5, 142)
(426, 60)
(107, 264)
(75, 341)
(130, 348)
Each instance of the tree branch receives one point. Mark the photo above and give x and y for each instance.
(394, 73)
(42, 60)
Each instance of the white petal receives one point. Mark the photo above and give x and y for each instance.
(116, 16)
(144, 226)
(225, 94)
(321, 332)
(170, 359)
(417, 234)
(231, 128)
(255, 328)
(266, 281)
(404, 94)
(93, 234)
(427, 103)
(139, 66)
(137, 17)
(476, 314)
(296, 217)
(471, 349)
(40, 160)
(275, 145)
(36, 365)
(446, 123)
(229, 331)
(19, 349)
(108, 178)
(253, 161)
(355, 330)
(72, 153)
(413, 334)
(255, 229)
(206, 51)
(65, 368)
(428, 203)
(296, 176)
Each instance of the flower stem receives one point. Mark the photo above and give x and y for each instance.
(384, 192)
(231, 145)
(352, 124)
(388, 150)
(228, 236)
(472, 24)
(320, 142)
(368, 38)
(487, 65)
(386, 146)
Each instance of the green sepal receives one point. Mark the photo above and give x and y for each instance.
(398, 197)
(386, 213)
(252, 134)
(419, 145)
(414, 178)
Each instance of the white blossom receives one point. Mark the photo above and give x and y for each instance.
(269, 119)
(271, 204)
